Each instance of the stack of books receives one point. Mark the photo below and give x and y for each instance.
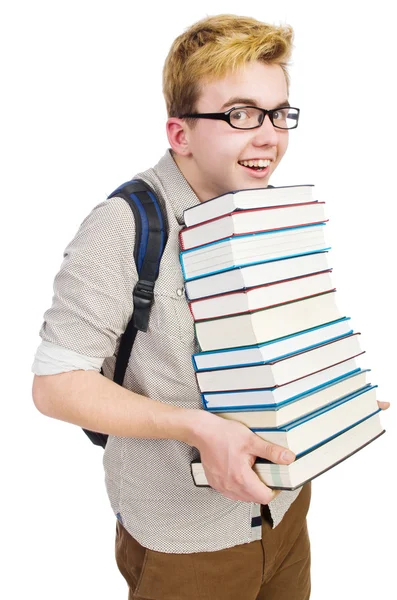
(276, 353)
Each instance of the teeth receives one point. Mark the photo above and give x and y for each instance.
(255, 163)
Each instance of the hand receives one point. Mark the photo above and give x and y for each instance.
(228, 451)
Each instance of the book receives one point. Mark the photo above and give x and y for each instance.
(273, 397)
(276, 354)
(267, 324)
(320, 426)
(273, 350)
(263, 296)
(245, 199)
(252, 221)
(252, 248)
(270, 415)
(311, 464)
(282, 371)
(249, 276)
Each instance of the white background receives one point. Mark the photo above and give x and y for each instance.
(82, 112)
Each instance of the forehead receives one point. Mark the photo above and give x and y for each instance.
(264, 85)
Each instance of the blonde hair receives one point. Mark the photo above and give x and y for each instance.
(214, 46)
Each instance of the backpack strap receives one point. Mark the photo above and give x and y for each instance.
(150, 240)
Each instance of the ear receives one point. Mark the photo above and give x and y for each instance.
(177, 136)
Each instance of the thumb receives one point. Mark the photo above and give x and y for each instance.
(273, 452)
(383, 405)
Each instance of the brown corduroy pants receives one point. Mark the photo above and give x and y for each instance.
(277, 567)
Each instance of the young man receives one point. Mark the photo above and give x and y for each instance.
(237, 539)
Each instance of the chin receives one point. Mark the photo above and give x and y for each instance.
(253, 184)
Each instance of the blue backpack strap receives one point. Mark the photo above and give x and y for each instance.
(150, 240)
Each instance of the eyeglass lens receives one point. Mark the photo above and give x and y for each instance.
(245, 118)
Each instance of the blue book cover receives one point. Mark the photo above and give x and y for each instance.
(323, 430)
(299, 337)
(333, 437)
(206, 247)
(249, 265)
(208, 396)
(316, 413)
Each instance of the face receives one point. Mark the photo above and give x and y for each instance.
(213, 154)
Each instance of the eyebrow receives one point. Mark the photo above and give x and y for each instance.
(248, 102)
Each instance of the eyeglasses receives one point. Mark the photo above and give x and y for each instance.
(251, 117)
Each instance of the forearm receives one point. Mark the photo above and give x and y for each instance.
(94, 402)
(228, 449)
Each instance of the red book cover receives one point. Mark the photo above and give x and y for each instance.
(236, 214)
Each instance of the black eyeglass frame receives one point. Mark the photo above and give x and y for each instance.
(226, 116)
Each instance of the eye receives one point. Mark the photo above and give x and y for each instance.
(240, 115)
(281, 114)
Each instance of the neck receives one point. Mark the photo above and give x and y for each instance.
(187, 168)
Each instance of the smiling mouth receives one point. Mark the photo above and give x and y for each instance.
(255, 165)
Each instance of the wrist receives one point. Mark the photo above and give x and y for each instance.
(193, 425)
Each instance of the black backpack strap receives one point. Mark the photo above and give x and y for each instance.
(150, 240)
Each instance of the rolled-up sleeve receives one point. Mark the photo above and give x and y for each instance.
(51, 359)
(92, 300)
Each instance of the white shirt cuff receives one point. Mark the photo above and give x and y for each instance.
(52, 359)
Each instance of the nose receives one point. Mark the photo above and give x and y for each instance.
(266, 134)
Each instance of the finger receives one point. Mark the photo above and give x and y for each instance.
(258, 490)
(247, 486)
(383, 405)
(273, 452)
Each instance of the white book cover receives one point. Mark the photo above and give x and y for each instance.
(267, 324)
(262, 296)
(271, 416)
(283, 371)
(312, 464)
(253, 248)
(248, 276)
(279, 348)
(276, 396)
(318, 427)
(252, 221)
(246, 199)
